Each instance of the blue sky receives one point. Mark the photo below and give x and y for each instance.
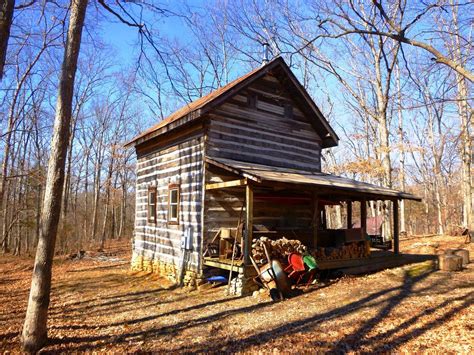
(123, 39)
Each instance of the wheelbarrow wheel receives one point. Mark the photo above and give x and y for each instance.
(275, 294)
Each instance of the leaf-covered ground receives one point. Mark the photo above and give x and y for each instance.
(99, 305)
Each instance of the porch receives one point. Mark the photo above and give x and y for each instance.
(377, 260)
(282, 202)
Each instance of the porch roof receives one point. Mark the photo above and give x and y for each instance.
(264, 173)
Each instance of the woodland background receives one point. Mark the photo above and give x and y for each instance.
(403, 115)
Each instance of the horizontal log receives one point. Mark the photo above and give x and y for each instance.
(265, 119)
(175, 172)
(289, 155)
(222, 185)
(162, 186)
(259, 139)
(174, 160)
(243, 155)
(241, 125)
(166, 154)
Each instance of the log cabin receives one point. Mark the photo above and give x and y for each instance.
(242, 162)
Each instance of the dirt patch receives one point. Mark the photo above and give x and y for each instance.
(100, 305)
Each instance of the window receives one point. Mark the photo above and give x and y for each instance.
(173, 204)
(152, 204)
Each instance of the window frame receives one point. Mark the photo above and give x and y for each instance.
(173, 187)
(151, 218)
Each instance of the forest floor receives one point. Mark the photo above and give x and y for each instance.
(98, 304)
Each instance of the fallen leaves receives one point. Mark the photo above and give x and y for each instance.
(101, 306)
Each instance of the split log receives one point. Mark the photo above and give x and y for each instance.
(349, 251)
(464, 254)
(450, 262)
(278, 249)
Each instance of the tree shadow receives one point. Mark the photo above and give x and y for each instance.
(154, 316)
(354, 340)
(115, 265)
(116, 302)
(387, 299)
(85, 341)
(382, 338)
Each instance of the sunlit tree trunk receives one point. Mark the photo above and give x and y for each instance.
(34, 334)
(401, 142)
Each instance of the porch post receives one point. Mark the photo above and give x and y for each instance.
(316, 216)
(349, 214)
(396, 241)
(248, 223)
(363, 216)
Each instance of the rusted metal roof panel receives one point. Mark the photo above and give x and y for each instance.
(262, 173)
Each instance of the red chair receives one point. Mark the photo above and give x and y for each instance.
(295, 268)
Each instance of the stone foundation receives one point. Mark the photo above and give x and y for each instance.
(170, 271)
(242, 286)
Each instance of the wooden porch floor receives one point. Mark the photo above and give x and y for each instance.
(378, 260)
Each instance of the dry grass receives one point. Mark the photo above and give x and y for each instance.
(102, 306)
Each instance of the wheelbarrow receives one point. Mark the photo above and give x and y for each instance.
(272, 276)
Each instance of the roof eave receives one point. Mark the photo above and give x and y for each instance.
(193, 115)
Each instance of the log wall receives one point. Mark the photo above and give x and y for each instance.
(263, 124)
(223, 208)
(275, 215)
(182, 164)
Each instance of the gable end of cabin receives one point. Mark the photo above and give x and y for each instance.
(265, 124)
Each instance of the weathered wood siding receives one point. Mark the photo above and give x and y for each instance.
(223, 208)
(181, 164)
(262, 130)
(281, 215)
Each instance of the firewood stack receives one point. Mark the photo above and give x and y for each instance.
(278, 249)
(348, 251)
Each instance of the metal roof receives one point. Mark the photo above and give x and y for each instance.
(261, 173)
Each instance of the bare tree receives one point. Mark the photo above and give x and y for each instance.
(6, 18)
(34, 333)
(388, 26)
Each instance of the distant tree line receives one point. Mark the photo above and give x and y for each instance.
(393, 78)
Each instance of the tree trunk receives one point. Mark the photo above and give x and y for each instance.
(95, 208)
(38, 214)
(466, 150)
(123, 208)
(6, 17)
(108, 186)
(34, 333)
(401, 142)
(86, 198)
